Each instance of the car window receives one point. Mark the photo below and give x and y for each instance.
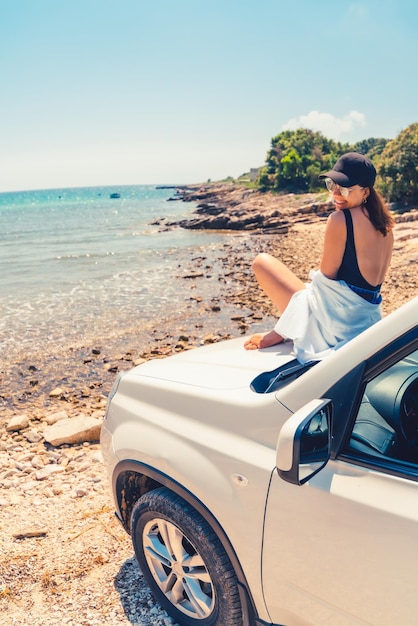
(386, 426)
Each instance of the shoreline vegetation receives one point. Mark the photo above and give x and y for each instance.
(64, 559)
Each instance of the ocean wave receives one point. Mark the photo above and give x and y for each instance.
(84, 255)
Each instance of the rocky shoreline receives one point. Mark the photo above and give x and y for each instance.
(63, 557)
(224, 206)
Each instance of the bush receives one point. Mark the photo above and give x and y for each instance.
(398, 167)
(297, 158)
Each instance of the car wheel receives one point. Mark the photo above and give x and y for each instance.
(184, 562)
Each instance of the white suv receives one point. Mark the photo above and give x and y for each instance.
(258, 491)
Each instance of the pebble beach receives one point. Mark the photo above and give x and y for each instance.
(63, 557)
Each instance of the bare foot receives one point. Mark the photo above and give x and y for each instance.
(263, 340)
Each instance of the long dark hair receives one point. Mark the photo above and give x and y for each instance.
(379, 213)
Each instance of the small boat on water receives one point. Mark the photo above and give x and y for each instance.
(115, 195)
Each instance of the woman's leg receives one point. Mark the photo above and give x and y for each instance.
(276, 280)
(279, 283)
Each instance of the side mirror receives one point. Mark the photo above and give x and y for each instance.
(304, 444)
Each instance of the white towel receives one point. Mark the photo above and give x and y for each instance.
(324, 316)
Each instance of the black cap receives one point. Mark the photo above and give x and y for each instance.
(352, 169)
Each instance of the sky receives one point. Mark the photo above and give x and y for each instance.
(115, 92)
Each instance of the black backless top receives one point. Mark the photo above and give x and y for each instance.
(349, 270)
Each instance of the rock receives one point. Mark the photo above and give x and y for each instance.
(56, 393)
(97, 457)
(180, 346)
(111, 367)
(18, 422)
(194, 275)
(37, 462)
(56, 417)
(48, 471)
(30, 532)
(210, 338)
(33, 436)
(73, 430)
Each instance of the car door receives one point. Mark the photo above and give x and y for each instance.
(343, 548)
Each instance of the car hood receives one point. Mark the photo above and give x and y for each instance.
(223, 365)
(227, 365)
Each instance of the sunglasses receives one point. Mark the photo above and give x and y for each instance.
(344, 191)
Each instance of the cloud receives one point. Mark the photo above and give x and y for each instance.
(328, 124)
(358, 11)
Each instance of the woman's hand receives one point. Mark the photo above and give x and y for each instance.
(263, 340)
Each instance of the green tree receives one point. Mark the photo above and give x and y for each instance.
(398, 167)
(295, 160)
(371, 147)
(263, 180)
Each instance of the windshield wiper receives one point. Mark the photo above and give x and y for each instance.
(271, 381)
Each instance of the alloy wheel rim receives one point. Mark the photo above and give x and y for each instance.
(178, 569)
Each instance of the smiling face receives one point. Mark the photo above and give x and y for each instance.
(347, 197)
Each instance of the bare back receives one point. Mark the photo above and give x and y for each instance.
(373, 249)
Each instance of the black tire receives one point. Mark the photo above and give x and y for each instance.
(193, 580)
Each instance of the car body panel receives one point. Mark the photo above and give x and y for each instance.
(228, 473)
(351, 532)
(195, 420)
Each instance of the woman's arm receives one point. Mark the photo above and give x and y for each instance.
(334, 244)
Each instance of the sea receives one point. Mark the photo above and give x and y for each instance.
(79, 262)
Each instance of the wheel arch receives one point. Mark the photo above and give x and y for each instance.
(132, 479)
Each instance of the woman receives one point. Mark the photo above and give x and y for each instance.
(343, 298)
